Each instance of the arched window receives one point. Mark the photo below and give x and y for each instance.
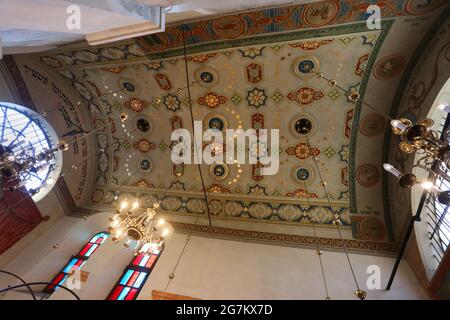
(134, 277)
(25, 131)
(77, 261)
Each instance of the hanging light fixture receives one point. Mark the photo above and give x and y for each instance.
(416, 138)
(130, 223)
(17, 162)
(419, 138)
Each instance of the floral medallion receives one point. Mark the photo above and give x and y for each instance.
(172, 102)
(305, 95)
(144, 145)
(302, 151)
(256, 97)
(211, 100)
(137, 105)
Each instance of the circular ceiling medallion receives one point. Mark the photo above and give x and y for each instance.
(303, 174)
(216, 122)
(372, 228)
(218, 171)
(127, 86)
(207, 77)
(97, 196)
(372, 125)
(143, 124)
(145, 165)
(303, 124)
(304, 64)
(367, 175)
(228, 27)
(389, 67)
(419, 7)
(320, 13)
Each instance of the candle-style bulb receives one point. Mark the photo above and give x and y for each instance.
(427, 185)
(391, 169)
(397, 124)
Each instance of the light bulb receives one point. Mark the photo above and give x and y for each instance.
(444, 107)
(119, 233)
(165, 232)
(161, 222)
(391, 169)
(123, 205)
(427, 185)
(399, 125)
(135, 205)
(115, 223)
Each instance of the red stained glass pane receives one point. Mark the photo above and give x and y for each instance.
(131, 295)
(115, 293)
(85, 249)
(58, 278)
(99, 240)
(138, 259)
(151, 261)
(133, 278)
(79, 263)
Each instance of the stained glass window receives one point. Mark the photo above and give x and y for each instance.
(134, 277)
(20, 130)
(76, 262)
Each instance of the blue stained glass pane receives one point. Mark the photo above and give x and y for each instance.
(69, 266)
(138, 282)
(126, 277)
(62, 280)
(144, 260)
(88, 254)
(124, 293)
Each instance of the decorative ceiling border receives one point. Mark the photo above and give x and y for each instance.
(270, 20)
(385, 27)
(273, 37)
(285, 239)
(61, 187)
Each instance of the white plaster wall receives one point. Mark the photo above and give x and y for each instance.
(209, 269)
(220, 269)
(48, 206)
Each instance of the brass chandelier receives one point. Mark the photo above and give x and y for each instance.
(434, 151)
(132, 224)
(416, 138)
(16, 162)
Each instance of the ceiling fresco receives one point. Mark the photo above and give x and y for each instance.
(247, 70)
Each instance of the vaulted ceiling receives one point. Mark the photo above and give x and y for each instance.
(247, 70)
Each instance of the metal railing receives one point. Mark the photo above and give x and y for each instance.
(437, 215)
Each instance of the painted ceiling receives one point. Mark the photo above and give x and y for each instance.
(247, 70)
